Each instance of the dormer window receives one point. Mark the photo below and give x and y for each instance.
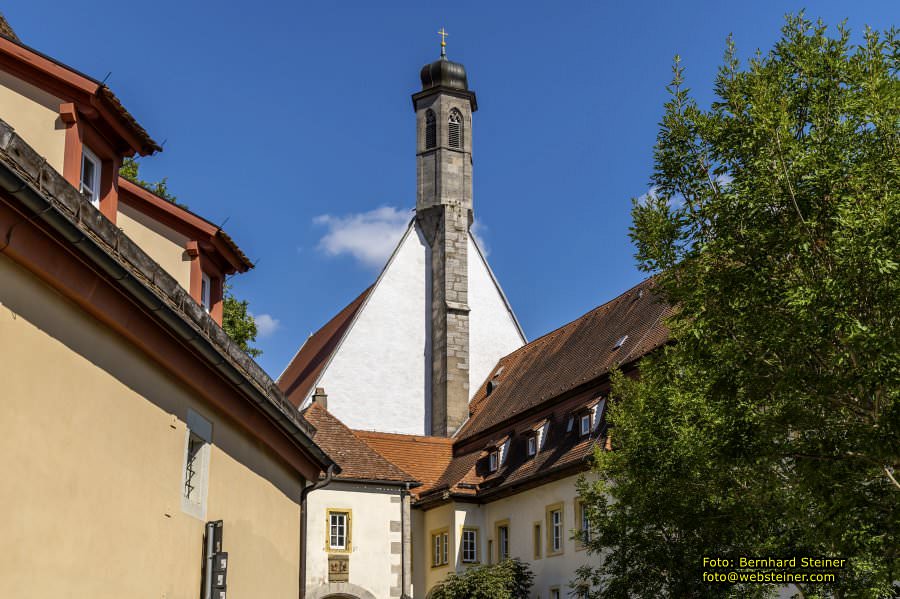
(532, 445)
(584, 424)
(90, 176)
(493, 460)
(206, 292)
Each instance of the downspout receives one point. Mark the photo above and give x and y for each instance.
(405, 544)
(329, 477)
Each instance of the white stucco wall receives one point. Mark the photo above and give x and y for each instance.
(379, 378)
(376, 379)
(522, 510)
(493, 331)
(375, 557)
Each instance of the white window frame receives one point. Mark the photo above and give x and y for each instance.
(585, 524)
(493, 460)
(532, 445)
(205, 292)
(338, 530)
(556, 531)
(195, 465)
(468, 547)
(584, 424)
(440, 548)
(502, 542)
(87, 154)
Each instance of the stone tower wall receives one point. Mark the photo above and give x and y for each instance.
(444, 212)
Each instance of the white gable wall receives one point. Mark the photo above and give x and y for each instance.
(380, 376)
(493, 330)
(376, 378)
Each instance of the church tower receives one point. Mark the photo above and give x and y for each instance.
(444, 110)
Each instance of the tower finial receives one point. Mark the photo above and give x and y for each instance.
(443, 35)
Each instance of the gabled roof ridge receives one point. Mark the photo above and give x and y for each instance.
(386, 469)
(649, 281)
(406, 436)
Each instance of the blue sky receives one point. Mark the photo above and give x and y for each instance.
(291, 122)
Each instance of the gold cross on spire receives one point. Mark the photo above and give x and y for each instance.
(443, 35)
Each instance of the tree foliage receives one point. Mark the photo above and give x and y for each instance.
(509, 579)
(130, 170)
(770, 427)
(239, 323)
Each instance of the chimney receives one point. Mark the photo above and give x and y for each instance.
(320, 397)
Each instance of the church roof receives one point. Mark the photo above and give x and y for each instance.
(300, 376)
(357, 460)
(426, 458)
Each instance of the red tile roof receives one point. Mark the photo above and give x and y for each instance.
(357, 460)
(570, 356)
(552, 380)
(426, 458)
(301, 374)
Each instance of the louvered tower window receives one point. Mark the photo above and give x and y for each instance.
(455, 129)
(430, 129)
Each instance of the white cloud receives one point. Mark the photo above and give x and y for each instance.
(369, 237)
(266, 325)
(479, 229)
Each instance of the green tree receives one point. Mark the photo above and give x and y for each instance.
(130, 170)
(239, 323)
(770, 426)
(510, 579)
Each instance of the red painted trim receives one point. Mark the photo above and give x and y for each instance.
(185, 222)
(51, 260)
(73, 149)
(73, 87)
(110, 161)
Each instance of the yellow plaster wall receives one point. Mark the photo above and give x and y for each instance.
(92, 453)
(160, 242)
(522, 510)
(34, 114)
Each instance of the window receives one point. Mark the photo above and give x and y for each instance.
(455, 129)
(584, 525)
(493, 461)
(554, 593)
(532, 445)
(192, 468)
(440, 551)
(469, 545)
(503, 541)
(205, 292)
(198, 436)
(339, 530)
(430, 129)
(584, 424)
(555, 529)
(536, 540)
(90, 176)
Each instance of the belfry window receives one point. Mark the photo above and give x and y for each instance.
(455, 129)
(430, 129)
